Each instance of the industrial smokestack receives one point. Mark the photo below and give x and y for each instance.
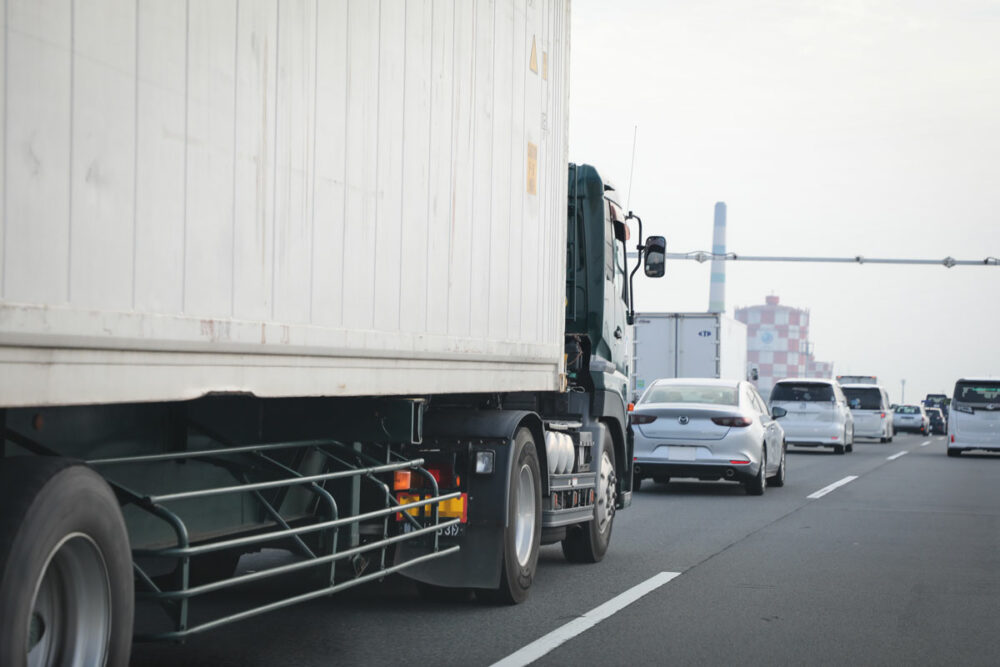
(717, 287)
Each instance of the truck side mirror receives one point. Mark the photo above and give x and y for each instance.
(654, 256)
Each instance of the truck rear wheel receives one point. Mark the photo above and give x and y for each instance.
(523, 532)
(589, 542)
(66, 585)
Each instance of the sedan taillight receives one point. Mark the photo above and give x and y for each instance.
(732, 421)
(637, 418)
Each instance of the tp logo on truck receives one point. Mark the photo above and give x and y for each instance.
(704, 333)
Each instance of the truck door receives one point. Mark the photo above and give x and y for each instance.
(615, 301)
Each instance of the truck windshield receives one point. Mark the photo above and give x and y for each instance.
(977, 393)
(869, 397)
(802, 391)
(691, 393)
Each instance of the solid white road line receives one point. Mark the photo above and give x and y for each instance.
(895, 456)
(559, 636)
(924, 444)
(827, 489)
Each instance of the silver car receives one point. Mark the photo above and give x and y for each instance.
(911, 418)
(708, 429)
(818, 415)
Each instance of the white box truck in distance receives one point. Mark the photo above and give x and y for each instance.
(294, 275)
(692, 345)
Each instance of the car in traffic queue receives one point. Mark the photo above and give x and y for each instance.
(911, 418)
(817, 413)
(708, 429)
(939, 425)
(871, 409)
(974, 416)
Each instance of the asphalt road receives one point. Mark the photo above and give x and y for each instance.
(897, 566)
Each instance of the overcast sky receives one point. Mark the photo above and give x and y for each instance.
(832, 128)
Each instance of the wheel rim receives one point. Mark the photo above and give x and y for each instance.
(605, 494)
(71, 613)
(524, 516)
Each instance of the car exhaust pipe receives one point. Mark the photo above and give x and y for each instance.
(730, 473)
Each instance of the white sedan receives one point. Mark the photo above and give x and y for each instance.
(708, 429)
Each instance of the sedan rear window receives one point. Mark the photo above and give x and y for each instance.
(977, 393)
(870, 398)
(802, 391)
(691, 393)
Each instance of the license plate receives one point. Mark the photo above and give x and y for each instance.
(456, 530)
(681, 453)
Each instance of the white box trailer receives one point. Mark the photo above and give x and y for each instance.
(293, 275)
(696, 345)
(283, 199)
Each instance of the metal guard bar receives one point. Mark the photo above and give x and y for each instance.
(179, 552)
(287, 602)
(238, 460)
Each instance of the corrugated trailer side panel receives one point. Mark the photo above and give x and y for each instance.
(294, 198)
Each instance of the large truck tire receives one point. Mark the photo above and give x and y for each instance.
(589, 542)
(523, 533)
(66, 583)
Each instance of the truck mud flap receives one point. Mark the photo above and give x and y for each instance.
(476, 566)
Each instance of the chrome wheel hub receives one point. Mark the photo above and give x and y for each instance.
(524, 516)
(71, 613)
(606, 494)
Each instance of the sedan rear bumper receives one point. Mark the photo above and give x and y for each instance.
(703, 471)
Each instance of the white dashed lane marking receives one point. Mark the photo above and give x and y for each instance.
(561, 635)
(827, 489)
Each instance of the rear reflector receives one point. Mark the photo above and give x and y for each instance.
(953, 437)
(883, 415)
(739, 462)
(401, 480)
(732, 421)
(453, 508)
(835, 437)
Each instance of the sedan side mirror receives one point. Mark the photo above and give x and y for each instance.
(778, 412)
(654, 256)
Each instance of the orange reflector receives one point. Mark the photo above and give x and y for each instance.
(401, 480)
(631, 407)
(453, 508)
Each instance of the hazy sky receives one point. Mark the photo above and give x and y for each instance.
(833, 128)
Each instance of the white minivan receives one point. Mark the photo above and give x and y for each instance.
(817, 413)
(870, 406)
(974, 416)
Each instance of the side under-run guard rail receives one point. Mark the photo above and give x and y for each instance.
(348, 463)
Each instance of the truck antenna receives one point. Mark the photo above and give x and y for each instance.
(628, 201)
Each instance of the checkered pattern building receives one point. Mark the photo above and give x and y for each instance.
(778, 343)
